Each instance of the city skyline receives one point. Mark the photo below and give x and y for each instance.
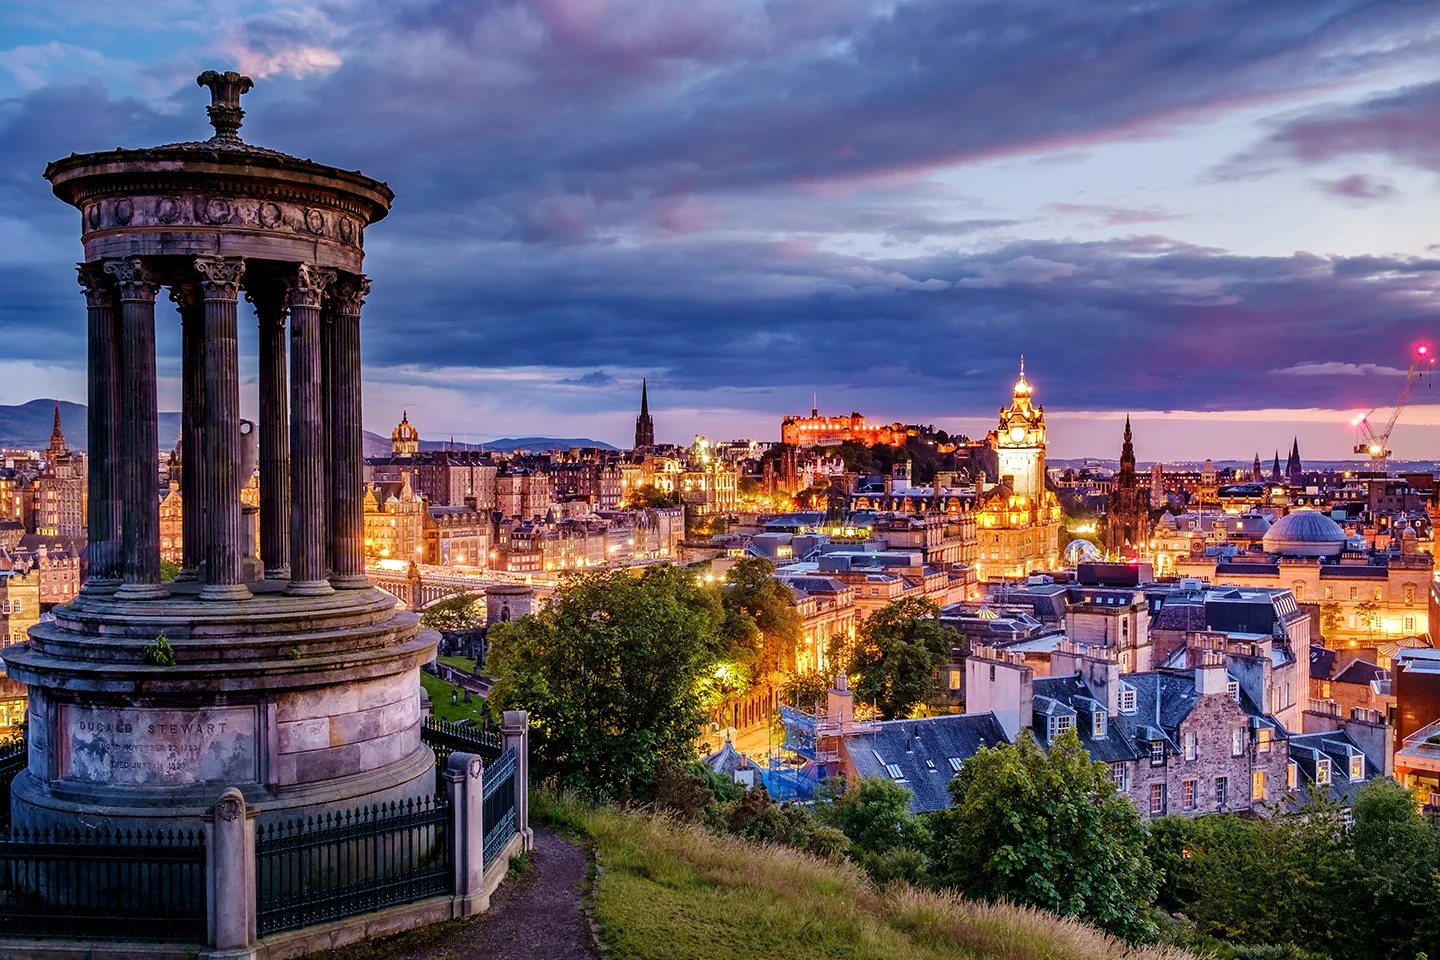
(1236, 230)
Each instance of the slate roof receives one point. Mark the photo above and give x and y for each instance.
(1071, 691)
(1306, 750)
(1322, 662)
(924, 761)
(1361, 671)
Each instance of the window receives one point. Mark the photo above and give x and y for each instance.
(1322, 771)
(1190, 745)
(1357, 767)
(1409, 624)
(1062, 723)
(1237, 741)
(1299, 587)
(1292, 775)
(1257, 785)
(1379, 593)
(1233, 689)
(1325, 689)
(1329, 593)
(954, 680)
(930, 766)
(1157, 799)
(1263, 739)
(992, 673)
(955, 764)
(1127, 699)
(1188, 795)
(1409, 593)
(1157, 753)
(1354, 593)
(1117, 776)
(895, 772)
(1222, 786)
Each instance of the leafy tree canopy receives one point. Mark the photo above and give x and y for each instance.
(612, 674)
(761, 626)
(897, 652)
(649, 495)
(1049, 831)
(885, 837)
(463, 611)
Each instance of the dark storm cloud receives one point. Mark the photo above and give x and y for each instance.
(588, 185)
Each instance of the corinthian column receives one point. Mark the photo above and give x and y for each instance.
(140, 445)
(307, 440)
(103, 512)
(224, 536)
(192, 428)
(270, 305)
(347, 509)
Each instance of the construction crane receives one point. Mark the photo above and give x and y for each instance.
(1376, 443)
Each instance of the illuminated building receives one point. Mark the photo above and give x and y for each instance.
(1018, 522)
(404, 439)
(1128, 512)
(644, 424)
(818, 431)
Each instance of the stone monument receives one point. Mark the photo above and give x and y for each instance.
(291, 678)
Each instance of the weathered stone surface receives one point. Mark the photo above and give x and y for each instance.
(136, 745)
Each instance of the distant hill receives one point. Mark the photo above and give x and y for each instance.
(27, 426)
(378, 446)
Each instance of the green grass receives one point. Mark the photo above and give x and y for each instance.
(440, 692)
(669, 891)
(464, 664)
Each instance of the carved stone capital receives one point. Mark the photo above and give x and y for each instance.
(350, 292)
(137, 281)
(220, 276)
(271, 302)
(306, 287)
(98, 287)
(186, 296)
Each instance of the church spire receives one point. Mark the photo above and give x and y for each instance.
(644, 424)
(57, 446)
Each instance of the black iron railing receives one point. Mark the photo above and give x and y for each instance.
(13, 758)
(322, 869)
(499, 804)
(445, 738)
(119, 885)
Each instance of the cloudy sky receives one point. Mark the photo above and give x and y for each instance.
(1220, 216)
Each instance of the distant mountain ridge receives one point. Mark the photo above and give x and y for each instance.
(27, 426)
(378, 446)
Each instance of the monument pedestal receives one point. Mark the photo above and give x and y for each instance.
(305, 704)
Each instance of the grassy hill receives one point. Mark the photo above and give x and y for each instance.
(667, 891)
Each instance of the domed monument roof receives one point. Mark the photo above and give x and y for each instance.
(1305, 533)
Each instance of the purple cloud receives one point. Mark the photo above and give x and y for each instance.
(1359, 187)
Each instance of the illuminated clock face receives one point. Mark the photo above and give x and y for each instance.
(1017, 434)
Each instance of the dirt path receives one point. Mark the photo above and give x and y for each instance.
(536, 916)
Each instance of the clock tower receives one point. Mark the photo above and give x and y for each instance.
(1020, 441)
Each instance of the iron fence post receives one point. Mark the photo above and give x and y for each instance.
(465, 774)
(515, 731)
(230, 878)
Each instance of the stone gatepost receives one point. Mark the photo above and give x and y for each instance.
(465, 773)
(230, 878)
(515, 729)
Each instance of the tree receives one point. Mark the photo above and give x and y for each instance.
(1332, 618)
(885, 837)
(1049, 831)
(747, 487)
(805, 690)
(463, 611)
(1367, 615)
(761, 625)
(897, 654)
(611, 673)
(649, 495)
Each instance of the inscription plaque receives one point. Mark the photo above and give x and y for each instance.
(139, 746)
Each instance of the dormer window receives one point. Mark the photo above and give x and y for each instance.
(1157, 753)
(1357, 768)
(1059, 724)
(1322, 771)
(1233, 689)
(1097, 723)
(1127, 699)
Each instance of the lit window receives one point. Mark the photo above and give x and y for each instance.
(1322, 771)
(1263, 740)
(1157, 799)
(1257, 785)
(1097, 723)
(1357, 768)
(1188, 789)
(1292, 775)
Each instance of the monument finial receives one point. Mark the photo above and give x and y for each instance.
(224, 110)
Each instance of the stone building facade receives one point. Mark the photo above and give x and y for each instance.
(1127, 517)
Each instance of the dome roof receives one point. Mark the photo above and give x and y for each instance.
(1305, 533)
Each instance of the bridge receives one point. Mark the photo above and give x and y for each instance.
(419, 586)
